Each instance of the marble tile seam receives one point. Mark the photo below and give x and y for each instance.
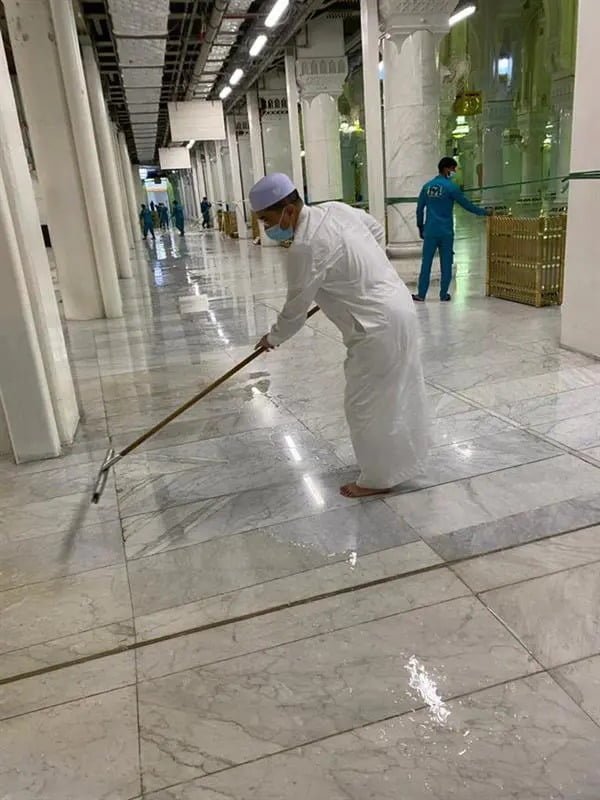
(451, 698)
(580, 454)
(224, 623)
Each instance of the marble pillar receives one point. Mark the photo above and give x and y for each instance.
(293, 105)
(496, 121)
(275, 123)
(132, 204)
(321, 70)
(369, 23)
(533, 130)
(580, 318)
(562, 103)
(236, 178)
(33, 260)
(247, 172)
(108, 167)
(414, 30)
(65, 30)
(25, 395)
(42, 90)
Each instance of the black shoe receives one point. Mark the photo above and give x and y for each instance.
(446, 298)
(418, 299)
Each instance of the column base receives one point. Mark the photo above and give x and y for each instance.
(402, 250)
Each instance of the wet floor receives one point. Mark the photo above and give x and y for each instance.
(225, 625)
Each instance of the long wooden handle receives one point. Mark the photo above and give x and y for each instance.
(193, 400)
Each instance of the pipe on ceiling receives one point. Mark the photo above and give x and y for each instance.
(212, 28)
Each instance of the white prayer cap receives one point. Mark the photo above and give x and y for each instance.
(270, 190)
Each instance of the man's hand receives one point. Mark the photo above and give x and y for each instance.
(421, 234)
(264, 343)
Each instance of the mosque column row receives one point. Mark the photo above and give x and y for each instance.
(38, 407)
(56, 104)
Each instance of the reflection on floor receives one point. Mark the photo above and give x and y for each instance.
(226, 625)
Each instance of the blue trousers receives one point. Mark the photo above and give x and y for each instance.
(445, 245)
(148, 229)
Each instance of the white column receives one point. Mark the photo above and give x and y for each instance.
(321, 70)
(236, 178)
(580, 317)
(220, 175)
(496, 122)
(40, 81)
(131, 238)
(132, 205)
(199, 173)
(87, 153)
(108, 174)
(24, 392)
(294, 120)
(562, 101)
(411, 102)
(323, 159)
(533, 131)
(195, 186)
(34, 260)
(369, 24)
(211, 194)
(256, 143)
(276, 137)
(245, 152)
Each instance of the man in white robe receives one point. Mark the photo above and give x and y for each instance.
(337, 260)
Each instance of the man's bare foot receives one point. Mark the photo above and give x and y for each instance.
(354, 490)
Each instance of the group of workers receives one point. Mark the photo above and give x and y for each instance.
(154, 216)
(336, 258)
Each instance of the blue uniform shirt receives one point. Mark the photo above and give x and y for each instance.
(438, 197)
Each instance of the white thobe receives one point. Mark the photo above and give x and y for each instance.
(338, 260)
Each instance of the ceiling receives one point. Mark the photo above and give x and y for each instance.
(151, 52)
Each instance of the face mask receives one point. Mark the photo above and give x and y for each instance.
(452, 174)
(279, 234)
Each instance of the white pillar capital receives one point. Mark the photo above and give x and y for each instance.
(401, 18)
(316, 76)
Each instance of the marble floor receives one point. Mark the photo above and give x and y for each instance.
(225, 625)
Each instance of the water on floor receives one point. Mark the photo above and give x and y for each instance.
(226, 625)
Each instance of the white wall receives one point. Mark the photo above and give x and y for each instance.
(580, 317)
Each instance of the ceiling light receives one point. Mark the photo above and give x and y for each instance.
(463, 10)
(225, 92)
(258, 45)
(276, 13)
(190, 144)
(236, 77)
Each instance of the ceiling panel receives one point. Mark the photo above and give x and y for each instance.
(141, 52)
(136, 78)
(142, 95)
(139, 17)
(141, 108)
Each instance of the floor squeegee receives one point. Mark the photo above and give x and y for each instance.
(113, 457)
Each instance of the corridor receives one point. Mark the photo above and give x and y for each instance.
(225, 625)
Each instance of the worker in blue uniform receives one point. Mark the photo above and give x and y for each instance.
(146, 221)
(178, 218)
(435, 221)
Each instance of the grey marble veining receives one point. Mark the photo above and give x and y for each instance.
(84, 749)
(42, 558)
(299, 587)
(518, 529)
(531, 560)
(215, 467)
(525, 739)
(487, 498)
(52, 609)
(582, 682)
(200, 721)
(303, 622)
(568, 603)
(65, 685)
